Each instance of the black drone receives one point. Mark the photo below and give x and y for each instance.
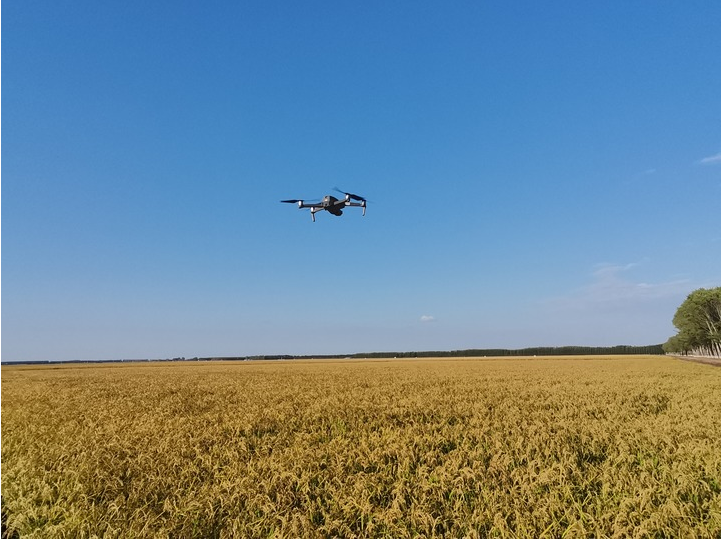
(331, 204)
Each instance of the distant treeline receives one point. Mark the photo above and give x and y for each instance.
(653, 349)
(474, 352)
(534, 351)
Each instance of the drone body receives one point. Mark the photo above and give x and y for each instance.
(331, 204)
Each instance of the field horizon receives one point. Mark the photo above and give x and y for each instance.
(566, 350)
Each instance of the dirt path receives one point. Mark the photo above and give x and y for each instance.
(697, 359)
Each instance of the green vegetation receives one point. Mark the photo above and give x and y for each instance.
(698, 323)
(554, 447)
(525, 352)
(475, 352)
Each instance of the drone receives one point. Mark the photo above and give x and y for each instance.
(331, 204)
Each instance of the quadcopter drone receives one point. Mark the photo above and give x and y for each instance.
(331, 204)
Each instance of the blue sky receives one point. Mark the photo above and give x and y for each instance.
(537, 174)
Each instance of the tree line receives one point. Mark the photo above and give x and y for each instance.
(652, 349)
(698, 325)
(532, 351)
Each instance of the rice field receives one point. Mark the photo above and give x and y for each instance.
(543, 447)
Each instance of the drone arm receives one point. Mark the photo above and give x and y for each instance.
(358, 205)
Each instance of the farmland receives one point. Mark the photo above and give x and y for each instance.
(607, 446)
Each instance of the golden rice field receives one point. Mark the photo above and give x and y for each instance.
(600, 447)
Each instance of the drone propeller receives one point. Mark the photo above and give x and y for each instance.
(351, 195)
(294, 201)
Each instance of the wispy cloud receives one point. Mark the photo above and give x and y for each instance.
(616, 305)
(427, 318)
(712, 159)
(611, 287)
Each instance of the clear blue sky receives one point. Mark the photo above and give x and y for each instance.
(537, 174)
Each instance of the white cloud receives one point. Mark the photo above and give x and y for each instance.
(612, 288)
(611, 284)
(427, 318)
(710, 160)
(615, 306)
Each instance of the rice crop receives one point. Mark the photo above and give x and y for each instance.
(533, 447)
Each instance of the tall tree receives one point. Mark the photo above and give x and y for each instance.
(698, 323)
